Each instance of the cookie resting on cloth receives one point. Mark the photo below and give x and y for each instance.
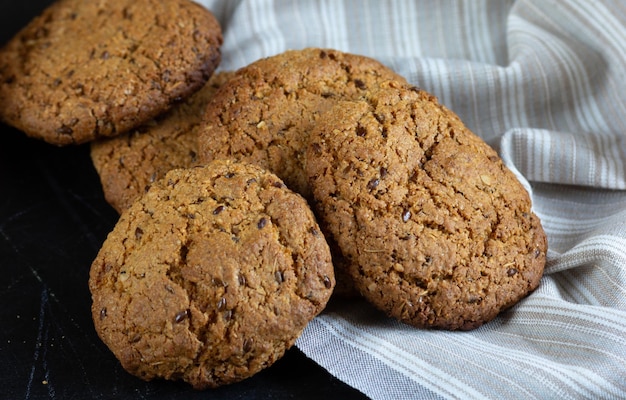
(85, 69)
(210, 276)
(439, 233)
(129, 163)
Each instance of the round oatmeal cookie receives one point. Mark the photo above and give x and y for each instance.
(439, 233)
(129, 163)
(83, 70)
(263, 115)
(210, 276)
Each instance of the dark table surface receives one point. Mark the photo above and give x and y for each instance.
(53, 220)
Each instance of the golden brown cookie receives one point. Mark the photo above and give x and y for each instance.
(210, 276)
(83, 70)
(129, 163)
(263, 115)
(438, 231)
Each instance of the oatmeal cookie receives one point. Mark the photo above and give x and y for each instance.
(85, 69)
(439, 233)
(210, 276)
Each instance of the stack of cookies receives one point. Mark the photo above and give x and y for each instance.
(247, 198)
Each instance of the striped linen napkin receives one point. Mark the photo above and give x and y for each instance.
(544, 83)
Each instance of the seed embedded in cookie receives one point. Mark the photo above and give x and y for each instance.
(437, 231)
(226, 271)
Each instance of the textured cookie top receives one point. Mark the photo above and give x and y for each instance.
(264, 114)
(129, 163)
(439, 232)
(210, 276)
(85, 69)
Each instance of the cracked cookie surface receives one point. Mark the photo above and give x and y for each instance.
(263, 115)
(438, 232)
(129, 163)
(210, 276)
(83, 70)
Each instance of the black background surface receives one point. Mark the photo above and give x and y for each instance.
(53, 220)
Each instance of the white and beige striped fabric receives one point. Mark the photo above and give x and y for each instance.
(543, 82)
